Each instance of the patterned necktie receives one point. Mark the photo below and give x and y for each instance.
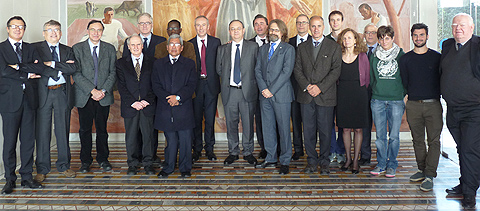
(459, 45)
(145, 44)
(137, 69)
(272, 49)
(203, 71)
(95, 64)
(18, 50)
(236, 66)
(316, 43)
(370, 51)
(54, 54)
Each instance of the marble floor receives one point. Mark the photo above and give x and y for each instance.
(239, 186)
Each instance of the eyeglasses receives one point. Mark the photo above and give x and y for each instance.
(95, 30)
(52, 30)
(236, 29)
(372, 33)
(174, 44)
(21, 27)
(274, 30)
(302, 23)
(173, 29)
(144, 23)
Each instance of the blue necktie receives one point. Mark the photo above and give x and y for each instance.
(370, 51)
(18, 50)
(236, 66)
(272, 49)
(459, 46)
(95, 64)
(54, 54)
(301, 40)
(316, 43)
(145, 44)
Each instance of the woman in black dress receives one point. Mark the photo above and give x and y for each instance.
(352, 94)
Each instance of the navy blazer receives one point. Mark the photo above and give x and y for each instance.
(130, 89)
(474, 53)
(174, 79)
(211, 54)
(150, 51)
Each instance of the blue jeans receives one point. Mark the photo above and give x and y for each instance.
(383, 113)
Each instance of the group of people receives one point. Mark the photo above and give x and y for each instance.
(346, 77)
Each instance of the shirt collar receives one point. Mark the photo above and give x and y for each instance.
(12, 42)
(135, 58)
(320, 40)
(149, 37)
(235, 43)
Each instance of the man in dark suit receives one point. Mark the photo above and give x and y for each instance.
(175, 27)
(54, 97)
(317, 68)
(208, 88)
(236, 66)
(302, 24)
(174, 80)
(274, 67)
(19, 100)
(138, 104)
(94, 80)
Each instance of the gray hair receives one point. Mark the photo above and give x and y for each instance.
(201, 16)
(134, 35)
(175, 36)
(470, 19)
(145, 14)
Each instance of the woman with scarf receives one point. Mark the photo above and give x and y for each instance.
(387, 100)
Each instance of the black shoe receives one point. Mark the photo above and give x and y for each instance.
(263, 154)
(156, 160)
(468, 201)
(132, 170)
(457, 190)
(266, 164)
(284, 169)
(149, 170)
(230, 159)
(324, 170)
(8, 188)
(30, 183)
(250, 159)
(84, 168)
(162, 174)
(310, 169)
(364, 162)
(106, 165)
(297, 155)
(196, 156)
(211, 156)
(186, 174)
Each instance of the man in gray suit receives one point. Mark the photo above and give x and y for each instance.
(317, 68)
(235, 65)
(94, 80)
(273, 70)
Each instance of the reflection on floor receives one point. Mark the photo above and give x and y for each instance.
(238, 187)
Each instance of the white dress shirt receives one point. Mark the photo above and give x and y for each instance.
(234, 50)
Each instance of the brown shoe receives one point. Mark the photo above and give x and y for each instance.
(69, 173)
(40, 177)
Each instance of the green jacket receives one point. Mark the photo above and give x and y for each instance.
(386, 86)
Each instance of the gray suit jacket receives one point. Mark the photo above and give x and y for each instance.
(274, 74)
(322, 71)
(84, 76)
(247, 70)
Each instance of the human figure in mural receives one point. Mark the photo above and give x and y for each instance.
(113, 28)
(370, 16)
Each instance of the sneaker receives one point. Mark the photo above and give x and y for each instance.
(427, 184)
(332, 157)
(341, 159)
(390, 173)
(377, 171)
(419, 176)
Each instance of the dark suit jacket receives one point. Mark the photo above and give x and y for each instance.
(67, 69)
(150, 51)
(130, 89)
(474, 53)
(322, 71)
(84, 76)
(174, 79)
(12, 80)
(247, 70)
(210, 59)
(188, 51)
(274, 74)
(293, 41)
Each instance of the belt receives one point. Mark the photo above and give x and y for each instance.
(55, 86)
(203, 77)
(427, 101)
(236, 87)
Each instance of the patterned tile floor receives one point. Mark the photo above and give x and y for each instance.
(237, 187)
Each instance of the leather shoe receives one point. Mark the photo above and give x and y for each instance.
(457, 190)
(324, 170)
(250, 159)
(106, 165)
(84, 168)
(310, 169)
(468, 201)
(40, 177)
(266, 164)
(263, 154)
(230, 159)
(132, 170)
(195, 156)
(30, 183)
(149, 170)
(156, 160)
(68, 173)
(211, 156)
(162, 174)
(284, 169)
(186, 174)
(8, 188)
(297, 155)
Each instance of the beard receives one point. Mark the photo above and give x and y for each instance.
(272, 38)
(420, 45)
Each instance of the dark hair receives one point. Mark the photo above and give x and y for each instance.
(283, 28)
(175, 21)
(16, 18)
(234, 21)
(95, 21)
(385, 31)
(360, 44)
(335, 12)
(260, 16)
(419, 26)
(365, 5)
(107, 9)
(52, 23)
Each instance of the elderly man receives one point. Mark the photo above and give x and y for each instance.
(175, 27)
(460, 88)
(174, 80)
(144, 25)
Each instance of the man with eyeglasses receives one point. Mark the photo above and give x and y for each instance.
(144, 25)
(19, 69)
(94, 80)
(55, 98)
(175, 27)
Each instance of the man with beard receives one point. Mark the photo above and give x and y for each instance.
(420, 74)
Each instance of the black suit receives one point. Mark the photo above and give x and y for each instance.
(58, 99)
(132, 90)
(150, 51)
(206, 95)
(19, 99)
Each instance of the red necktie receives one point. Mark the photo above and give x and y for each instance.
(202, 58)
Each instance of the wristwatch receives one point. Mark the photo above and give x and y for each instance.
(178, 98)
